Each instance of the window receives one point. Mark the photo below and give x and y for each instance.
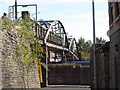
(110, 4)
(110, 14)
(116, 9)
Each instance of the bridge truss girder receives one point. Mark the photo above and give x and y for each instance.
(53, 35)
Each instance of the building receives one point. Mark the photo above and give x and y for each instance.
(114, 35)
(102, 67)
(108, 56)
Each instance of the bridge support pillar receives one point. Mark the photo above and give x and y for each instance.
(63, 57)
(44, 70)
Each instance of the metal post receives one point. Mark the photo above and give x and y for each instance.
(94, 45)
(46, 65)
(13, 12)
(63, 57)
(36, 12)
(15, 9)
(45, 71)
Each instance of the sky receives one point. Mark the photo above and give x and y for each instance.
(75, 15)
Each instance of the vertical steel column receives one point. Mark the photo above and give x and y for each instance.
(94, 45)
(13, 12)
(63, 57)
(15, 9)
(36, 12)
(44, 70)
(46, 65)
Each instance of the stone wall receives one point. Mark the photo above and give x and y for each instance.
(68, 74)
(115, 60)
(13, 73)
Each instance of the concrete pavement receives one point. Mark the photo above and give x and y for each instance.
(67, 87)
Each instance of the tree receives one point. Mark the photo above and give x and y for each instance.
(83, 47)
(100, 41)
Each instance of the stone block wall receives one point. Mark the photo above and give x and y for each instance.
(13, 73)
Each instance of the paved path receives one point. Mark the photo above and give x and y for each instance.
(67, 87)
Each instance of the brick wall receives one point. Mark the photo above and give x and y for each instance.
(114, 35)
(115, 60)
(115, 24)
(13, 73)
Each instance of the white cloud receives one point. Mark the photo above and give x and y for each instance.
(50, 1)
(42, 1)
(83, 28)
(79, 29)
(87, 16)
(81, 16)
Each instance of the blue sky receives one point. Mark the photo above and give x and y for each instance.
(76, 15)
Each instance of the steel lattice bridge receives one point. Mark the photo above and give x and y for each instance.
(57, 46)
(53, 38)
(55, 41)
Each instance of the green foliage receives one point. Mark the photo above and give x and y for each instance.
(85, 55)
(84, 46)
(100, 41)
(44, 65)
(29, 49)
(6, 23)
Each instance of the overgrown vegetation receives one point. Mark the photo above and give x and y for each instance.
(29, 49)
